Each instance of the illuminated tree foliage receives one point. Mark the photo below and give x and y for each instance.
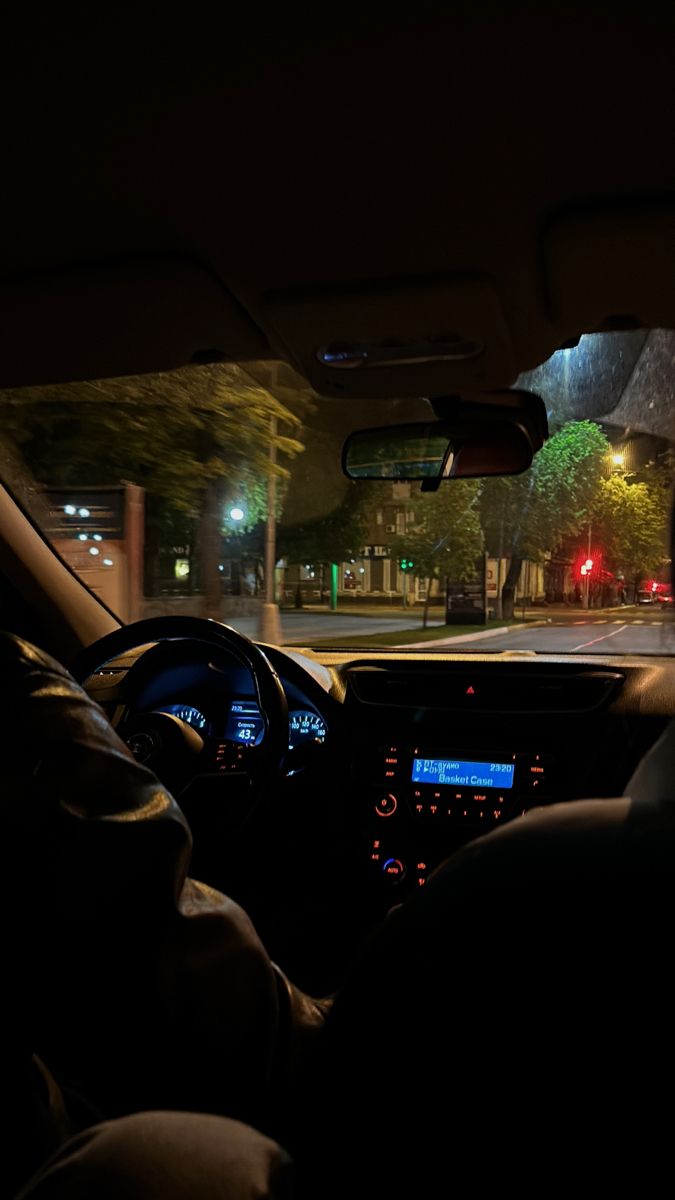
(172, 433)
(443, 538)
(630, 522)
(197, 440)
(528, 515)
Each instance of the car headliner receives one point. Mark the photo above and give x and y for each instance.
(247, 189)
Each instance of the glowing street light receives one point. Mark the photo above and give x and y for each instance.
(236, 513)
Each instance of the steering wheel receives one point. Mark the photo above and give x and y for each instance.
(171, 748)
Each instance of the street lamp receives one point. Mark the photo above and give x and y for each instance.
(237, 513)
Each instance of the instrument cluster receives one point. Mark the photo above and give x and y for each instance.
(242, 722)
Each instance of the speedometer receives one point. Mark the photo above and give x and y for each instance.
(305, 726)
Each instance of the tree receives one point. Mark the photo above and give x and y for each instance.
(338, 536)
(630, 522)
(197, 439)
(524, 516)
(443, 536)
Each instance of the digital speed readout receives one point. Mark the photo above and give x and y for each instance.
(245, 724)
(457, 772)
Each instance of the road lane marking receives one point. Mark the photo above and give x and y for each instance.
(598, 639)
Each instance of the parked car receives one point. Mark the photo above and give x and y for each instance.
(405, 908)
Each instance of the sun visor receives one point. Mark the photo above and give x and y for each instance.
(404, 339)
(143, 316)
(612, 268)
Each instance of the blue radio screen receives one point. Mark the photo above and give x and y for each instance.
(461, 773)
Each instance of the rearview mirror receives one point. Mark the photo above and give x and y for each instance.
(498, 434)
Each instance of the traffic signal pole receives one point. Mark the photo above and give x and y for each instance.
(585, 600)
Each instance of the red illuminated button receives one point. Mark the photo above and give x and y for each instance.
(393, 868)
(386, 806)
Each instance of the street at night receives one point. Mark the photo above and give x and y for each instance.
(588, 634)
(609, 632)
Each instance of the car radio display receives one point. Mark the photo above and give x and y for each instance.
(458, 772)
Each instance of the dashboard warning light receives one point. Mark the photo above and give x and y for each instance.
(470, 691)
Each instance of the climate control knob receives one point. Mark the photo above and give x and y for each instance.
(394, 869)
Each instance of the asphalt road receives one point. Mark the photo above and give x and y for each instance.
(612, 634)
(632, 632)
(307, 626)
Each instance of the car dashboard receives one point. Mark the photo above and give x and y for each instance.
(396, 759)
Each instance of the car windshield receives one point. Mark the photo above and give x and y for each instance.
(218, 490)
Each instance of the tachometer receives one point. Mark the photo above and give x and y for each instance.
(185, 712)
(305, 726)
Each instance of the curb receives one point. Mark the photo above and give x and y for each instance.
(470, 637)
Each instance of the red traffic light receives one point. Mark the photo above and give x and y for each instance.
(589, 562)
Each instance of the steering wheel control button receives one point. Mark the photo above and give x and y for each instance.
(394, 869)
(386, 805)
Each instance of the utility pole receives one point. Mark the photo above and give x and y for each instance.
(270, 621)
(500, 555)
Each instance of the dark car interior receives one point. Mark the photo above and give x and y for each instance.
(397, 207)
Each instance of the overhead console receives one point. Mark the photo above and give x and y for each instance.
(402, 338)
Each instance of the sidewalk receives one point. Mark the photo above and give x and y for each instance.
(537, 612)
(548, 611)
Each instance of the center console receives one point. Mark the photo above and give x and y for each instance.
(424, 801)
